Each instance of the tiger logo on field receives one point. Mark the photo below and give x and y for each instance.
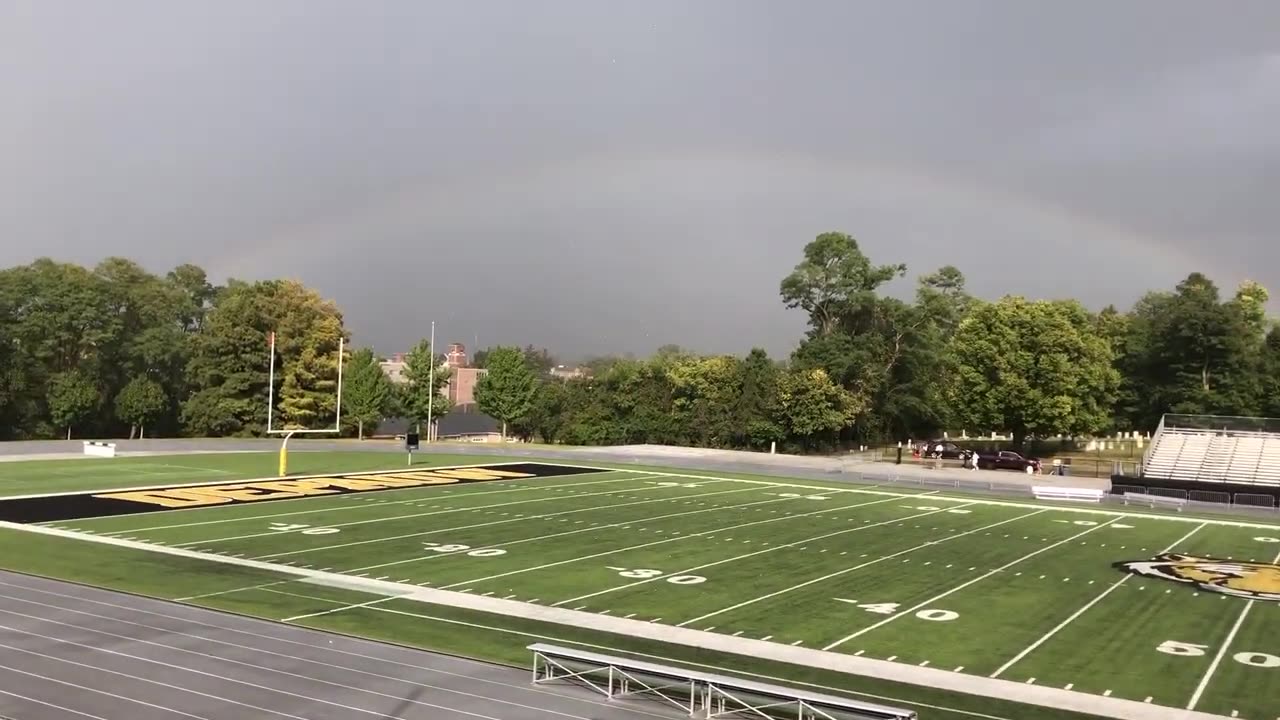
(1246, 579)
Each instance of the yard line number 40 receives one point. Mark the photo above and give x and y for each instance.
(1254, 659)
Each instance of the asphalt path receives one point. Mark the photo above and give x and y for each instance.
(70, 652)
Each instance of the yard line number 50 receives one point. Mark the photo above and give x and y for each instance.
(1254, 659)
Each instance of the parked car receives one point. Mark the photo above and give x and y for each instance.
(1007, 460)
(950, 451)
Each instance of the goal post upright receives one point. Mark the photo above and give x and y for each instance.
(283, 466)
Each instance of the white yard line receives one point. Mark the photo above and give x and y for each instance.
(980, 501)
(1222, 651)
(630, 503)
(958, 588)
(668, 540)
(856, 528)
(593, 528)
(1076, 615)
(855, 568)
(344, 508)
(391, 518)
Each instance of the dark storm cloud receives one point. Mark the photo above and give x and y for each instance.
(598, 176)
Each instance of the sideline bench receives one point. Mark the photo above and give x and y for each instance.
(1152, 501)
(99, 449)
(1047, 492)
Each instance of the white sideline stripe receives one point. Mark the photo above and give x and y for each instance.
(358, 507)
(389, 661)
(487, 524)
(224, 678)
(1076, 615)
(593, 528)
(273, 478)
(659, 542)
(49, 704)
(839, 662)
(390, 518)
(132, 677)
(664, 576)
(857, 567)
(1226, 644)
(960, 587)
(978, 501)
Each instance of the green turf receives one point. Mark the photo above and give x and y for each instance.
(27, 477)
(964, 585)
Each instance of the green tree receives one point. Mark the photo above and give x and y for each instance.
(811, 407)
(507, 390)
(228, 367)
(754, 422)
(1033, 368)
(72, 399)
(1189, 352)
(140, 403)
(422, 398)
(834, 281)
(366, 391)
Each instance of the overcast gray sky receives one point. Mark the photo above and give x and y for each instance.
(599, 176)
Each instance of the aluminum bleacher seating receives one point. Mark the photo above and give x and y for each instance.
(1223, 456)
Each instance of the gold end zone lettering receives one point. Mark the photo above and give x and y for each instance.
(195, 496)
(299, 487)
(176, 498)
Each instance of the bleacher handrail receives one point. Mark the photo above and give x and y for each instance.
(702, 686)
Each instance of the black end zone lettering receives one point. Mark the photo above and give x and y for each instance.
(51, 508)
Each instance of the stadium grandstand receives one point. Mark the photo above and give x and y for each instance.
(1215, 459)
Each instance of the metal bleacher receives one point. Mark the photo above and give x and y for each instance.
(1239, 451)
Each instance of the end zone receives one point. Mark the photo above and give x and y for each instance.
(132, 501)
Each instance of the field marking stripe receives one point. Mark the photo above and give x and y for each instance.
(194, 671)
(938, 679)
(132, 677)
(357, 473)
(49, 704)
(358, 507)
(659, 542)
(798, 483)
(1074, 616)
(857, 567)
(344, 608)
(491, 522)
(446, 511)
(960, 587)
(418, 668)
(1222, 651)
(592, 528)
(735, 558)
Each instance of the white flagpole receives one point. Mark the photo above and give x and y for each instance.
(338, 421)
(271, 381)
(431, 380)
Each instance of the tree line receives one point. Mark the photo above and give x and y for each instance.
(117, 351)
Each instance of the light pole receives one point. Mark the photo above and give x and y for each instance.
(431, 380)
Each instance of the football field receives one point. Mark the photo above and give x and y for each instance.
(1162, 609)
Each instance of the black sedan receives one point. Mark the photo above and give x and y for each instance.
(1007, 460)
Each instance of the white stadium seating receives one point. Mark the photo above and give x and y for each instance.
(1240, 457)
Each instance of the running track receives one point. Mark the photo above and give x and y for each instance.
(69, 652)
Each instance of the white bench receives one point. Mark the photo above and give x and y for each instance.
(99, 449)
(1046, 492)
(1154, 500)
